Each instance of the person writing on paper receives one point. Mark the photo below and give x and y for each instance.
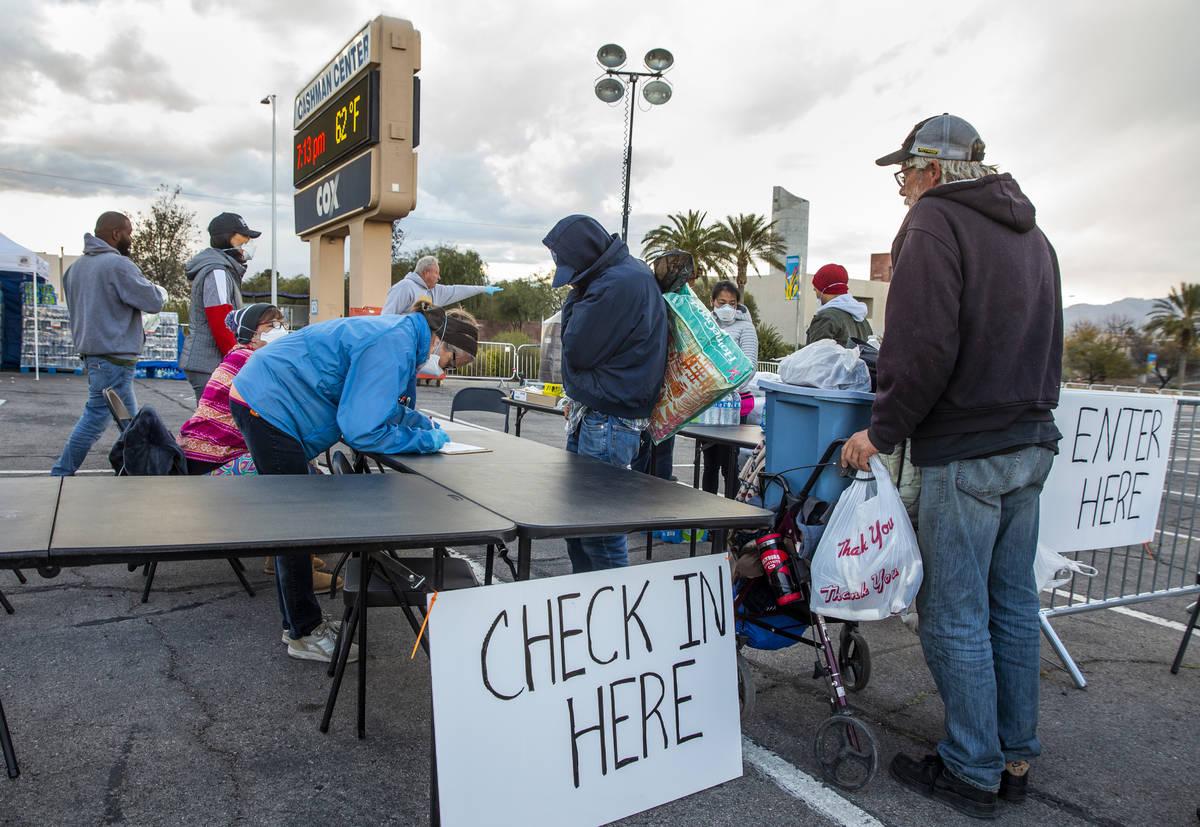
(348, 379)
(422, 284)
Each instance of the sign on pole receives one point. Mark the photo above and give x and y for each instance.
(1106, 485)
(586, 698)
(791, 274)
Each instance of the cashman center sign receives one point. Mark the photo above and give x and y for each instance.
(585, 698)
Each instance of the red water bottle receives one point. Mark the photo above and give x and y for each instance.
(774, 563)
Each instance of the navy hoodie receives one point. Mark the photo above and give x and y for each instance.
(614, 321)
(972, 357)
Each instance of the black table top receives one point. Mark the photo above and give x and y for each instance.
(115, 519)
(27, 506)
(743, 436)
(549, 492)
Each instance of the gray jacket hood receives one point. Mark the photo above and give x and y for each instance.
(210, 257)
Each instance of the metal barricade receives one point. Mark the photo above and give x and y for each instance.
(493, 361)
(1165, 567)
(529, 362)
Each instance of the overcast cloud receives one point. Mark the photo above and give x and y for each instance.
(1088, 104)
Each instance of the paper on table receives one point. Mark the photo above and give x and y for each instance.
(461, 448)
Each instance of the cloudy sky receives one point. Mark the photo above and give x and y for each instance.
(1091, 105)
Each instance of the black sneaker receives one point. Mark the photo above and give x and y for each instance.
(931, 779)
(1014, 788)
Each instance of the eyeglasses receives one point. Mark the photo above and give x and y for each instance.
(905, 172)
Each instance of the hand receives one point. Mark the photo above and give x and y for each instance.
(491, 290)
(857, 450)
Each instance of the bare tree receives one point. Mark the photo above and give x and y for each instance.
(163, 240)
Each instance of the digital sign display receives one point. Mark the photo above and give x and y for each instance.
(350, 122)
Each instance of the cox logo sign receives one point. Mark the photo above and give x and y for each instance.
(327, 196)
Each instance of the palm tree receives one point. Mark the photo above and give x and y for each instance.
(708, 247)
(751, 237)
(1177, 317)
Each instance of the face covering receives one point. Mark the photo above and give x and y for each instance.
(725, 313)
(431, 366)
(273, 334)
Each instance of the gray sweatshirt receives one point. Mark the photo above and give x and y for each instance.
(106, 294)
(404, 293)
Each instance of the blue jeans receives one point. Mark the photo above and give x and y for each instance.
(978, 607)
(275, 452)
(610, 439)
(101, 374)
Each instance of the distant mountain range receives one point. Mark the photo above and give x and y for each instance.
(1136, 309)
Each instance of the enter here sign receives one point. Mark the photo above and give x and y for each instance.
(1107, 483)
(586, 698)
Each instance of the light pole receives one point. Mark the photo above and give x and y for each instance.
(274, 169)
(610, 89)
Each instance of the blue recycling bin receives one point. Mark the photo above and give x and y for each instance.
(801, 423)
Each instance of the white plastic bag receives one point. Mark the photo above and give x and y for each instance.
(867, 565)
(1049, 564)
(826, 364)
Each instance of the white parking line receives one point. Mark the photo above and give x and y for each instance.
(803, 786)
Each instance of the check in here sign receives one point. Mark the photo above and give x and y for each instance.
(586, 698)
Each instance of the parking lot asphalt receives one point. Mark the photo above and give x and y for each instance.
(186, 709)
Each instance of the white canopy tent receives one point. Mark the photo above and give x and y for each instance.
(17, 259)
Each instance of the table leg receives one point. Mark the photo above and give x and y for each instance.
(364, 578)
(524, 553)
(10, 755)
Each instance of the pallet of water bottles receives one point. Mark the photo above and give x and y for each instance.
(46, 343)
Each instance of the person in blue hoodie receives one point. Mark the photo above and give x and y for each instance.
(352, 380)
(614, 356)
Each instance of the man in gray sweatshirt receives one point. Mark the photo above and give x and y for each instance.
(106, 294)
(423, 283)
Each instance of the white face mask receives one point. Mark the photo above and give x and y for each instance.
(431, 366)
(271, 335)
(725, 313)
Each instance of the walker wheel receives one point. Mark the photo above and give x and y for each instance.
(745, 688)
(845, 750)
(48, 572)
(854, 660)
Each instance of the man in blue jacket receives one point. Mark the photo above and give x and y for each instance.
(614, 355)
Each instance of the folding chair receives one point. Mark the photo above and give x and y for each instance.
(480, 399)
(124, 422)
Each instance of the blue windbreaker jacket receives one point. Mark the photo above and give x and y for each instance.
(614, 321)
(350, 379)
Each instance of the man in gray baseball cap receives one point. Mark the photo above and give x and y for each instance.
(970, 376)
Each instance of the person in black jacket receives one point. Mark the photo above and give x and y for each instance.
(614, 356)
(970, 372)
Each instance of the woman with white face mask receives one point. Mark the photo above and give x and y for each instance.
(734, 319)
(353, 380)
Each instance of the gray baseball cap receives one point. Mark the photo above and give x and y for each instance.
(943, 137)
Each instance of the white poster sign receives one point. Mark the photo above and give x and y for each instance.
(586, 698)
(1106, 485)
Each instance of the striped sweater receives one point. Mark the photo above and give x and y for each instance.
(211, 435)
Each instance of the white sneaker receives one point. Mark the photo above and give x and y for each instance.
(327, 619)
(319, 645)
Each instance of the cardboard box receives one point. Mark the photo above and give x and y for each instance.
(535, 398)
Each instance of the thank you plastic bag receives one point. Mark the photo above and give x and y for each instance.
(704, 364)
(867, 565)
(826, 364)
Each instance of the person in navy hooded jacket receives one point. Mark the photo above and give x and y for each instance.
(614, 355)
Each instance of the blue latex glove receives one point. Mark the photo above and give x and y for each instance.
(491, 290)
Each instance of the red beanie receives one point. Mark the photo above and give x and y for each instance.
(832, 280)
